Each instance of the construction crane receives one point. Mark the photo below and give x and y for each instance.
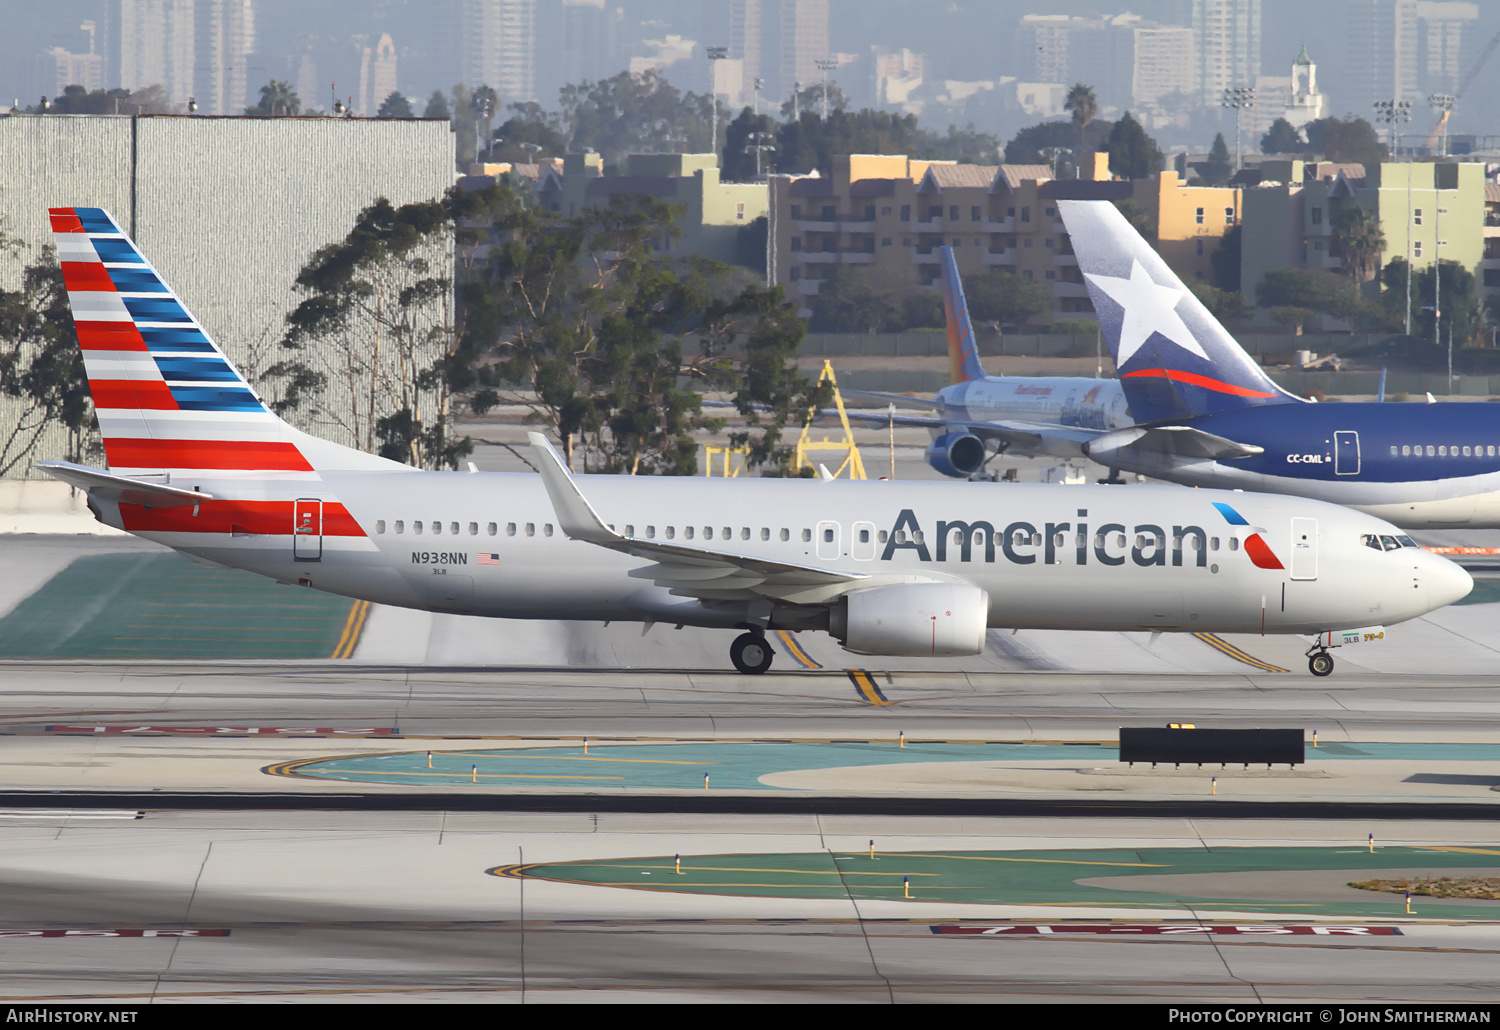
(1440, 129)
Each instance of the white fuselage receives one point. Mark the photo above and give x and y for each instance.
(1077, 558)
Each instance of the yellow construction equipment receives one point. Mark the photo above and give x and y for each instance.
(731, 460)
(805, 445)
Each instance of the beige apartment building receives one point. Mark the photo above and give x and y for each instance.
(892, 212)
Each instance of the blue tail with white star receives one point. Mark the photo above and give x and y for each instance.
(1174, 359)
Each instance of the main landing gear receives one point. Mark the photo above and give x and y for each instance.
(1319, 661)
(751, 654)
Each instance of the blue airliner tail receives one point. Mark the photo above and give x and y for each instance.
(1174, 359)
(963, 351)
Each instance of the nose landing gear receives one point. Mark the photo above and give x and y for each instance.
(1319, 661)
(751, 654)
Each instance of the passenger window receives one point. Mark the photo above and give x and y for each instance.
(671, 532)
(1489, 451)
(380, 525)
(492, 529)
(416, 527)
(1430, 450)
(687, 533)
(765, 534)
(650, 532)
(1466, 453)
(744, 532)
(453, 528)
(1119, 539)
(827, 536)
(785, 535)
(510, 529)
(882, 537)
(728, 534)
(1393, 450)
(1234, 543)
(900, 536)
(629, 530)
(437, 529)
(1405, 451)
(531, 529)
(806, 536)
(1442, 451)
(474, 529)
(864, 536)
(547, 529)
(1213, 543)
(400, 526)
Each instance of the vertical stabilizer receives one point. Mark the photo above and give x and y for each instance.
(167, 398)
(963, 351)
(1174, 359)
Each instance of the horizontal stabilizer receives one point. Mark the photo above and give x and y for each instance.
(1165, 446)
(111, 487)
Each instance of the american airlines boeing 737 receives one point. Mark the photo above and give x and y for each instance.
(197, 462)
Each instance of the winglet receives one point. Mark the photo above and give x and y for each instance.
(574, 513)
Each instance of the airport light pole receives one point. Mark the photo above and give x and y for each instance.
(715, 54)
(760, 142)
(1390, 112)
(1239, 98)
(826, 64)
(1052, 154)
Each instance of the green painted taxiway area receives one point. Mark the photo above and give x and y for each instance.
(1309, 882)
(739, 765)
(145, 606)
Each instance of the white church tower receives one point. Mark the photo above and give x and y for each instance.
(1304, 102)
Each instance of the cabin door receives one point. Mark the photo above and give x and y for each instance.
(1346, 453)
(1304, 548)
(307, 529)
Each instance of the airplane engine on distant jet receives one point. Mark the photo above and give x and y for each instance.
(917, 620)
(959, 455)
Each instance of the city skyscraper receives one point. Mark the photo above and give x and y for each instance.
(779, 42)
(499, 47)
(1226, 43)
(156, 46)
(1404, 49)
(225, 40)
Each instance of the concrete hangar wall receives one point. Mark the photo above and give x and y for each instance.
(228, 209)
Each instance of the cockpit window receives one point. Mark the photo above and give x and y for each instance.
(1371, 540)
(1390, 543)
(1406, 541)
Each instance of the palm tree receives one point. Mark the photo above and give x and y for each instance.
(1359, 239)
(277, 99)
(1084, 105)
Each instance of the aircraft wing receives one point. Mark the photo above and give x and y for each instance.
(1166, 446)
(684, 570)
(1025, 437)
(111, 487)
(898, 399)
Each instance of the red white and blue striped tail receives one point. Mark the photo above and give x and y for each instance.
(167, 398)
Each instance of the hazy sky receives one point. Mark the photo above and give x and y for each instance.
(962, 39)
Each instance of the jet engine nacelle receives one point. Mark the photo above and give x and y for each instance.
(916, 620)
(959, 455)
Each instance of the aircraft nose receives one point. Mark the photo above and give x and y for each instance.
(1440, 581)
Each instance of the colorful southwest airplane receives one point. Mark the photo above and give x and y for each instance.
(1211, 417)
(981, 415)
(197, 462)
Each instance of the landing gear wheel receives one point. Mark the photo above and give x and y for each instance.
(751, 654)
(1320, 664)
